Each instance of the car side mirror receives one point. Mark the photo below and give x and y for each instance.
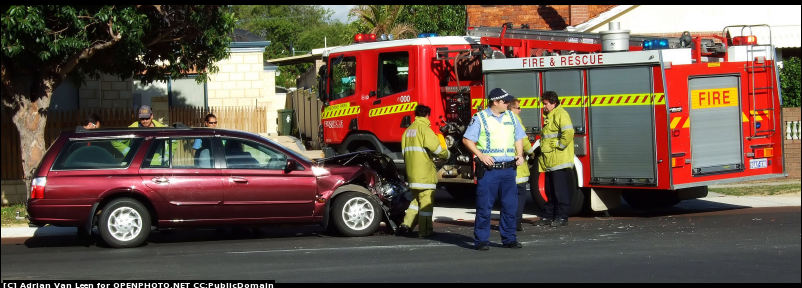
(290, 166)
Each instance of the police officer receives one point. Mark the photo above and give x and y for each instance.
(494, 137)
(418, 143)
(522, 172)
(557, 160)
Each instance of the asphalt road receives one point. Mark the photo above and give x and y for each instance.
(677, 245)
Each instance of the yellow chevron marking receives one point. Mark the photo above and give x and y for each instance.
(628, 99)
(387, 110)
(675, 121)
(339, 110)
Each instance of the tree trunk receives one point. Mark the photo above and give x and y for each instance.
(30, 119)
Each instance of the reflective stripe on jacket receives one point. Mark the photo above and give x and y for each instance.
(417, 143)
(556, 141)
(502, 143)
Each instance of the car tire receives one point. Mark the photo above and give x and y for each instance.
(356, 214)
(124, 223)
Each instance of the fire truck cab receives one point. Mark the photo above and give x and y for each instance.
(371, 89)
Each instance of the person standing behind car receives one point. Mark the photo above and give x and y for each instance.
(494, 136)
(522, 173)
(210, 121)
(145, 120)
(557, 160)
(417, 144)
(91, 122)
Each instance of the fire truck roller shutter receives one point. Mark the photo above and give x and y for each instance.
(622, 135)
(716, 128)
(524, 85)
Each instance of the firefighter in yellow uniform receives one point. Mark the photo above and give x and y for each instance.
(418, 143)
(557, 146)
(522, 172)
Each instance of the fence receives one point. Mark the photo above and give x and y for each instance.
(792, 130)
(251, 119)
(306, 108)
(792, 145)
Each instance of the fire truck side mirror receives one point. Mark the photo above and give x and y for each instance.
(321, 84)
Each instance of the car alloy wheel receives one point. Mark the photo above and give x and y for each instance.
(356, 214)
(124, 223)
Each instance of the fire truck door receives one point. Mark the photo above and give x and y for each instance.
(621, 126)
(716, 128)
(524, 86)
(391, 110)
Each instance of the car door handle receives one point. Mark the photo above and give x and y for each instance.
(238, 179)
(160, 180)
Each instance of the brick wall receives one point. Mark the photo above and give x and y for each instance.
(107, 91)
(546, 17)
(791, 147)
(243, 81)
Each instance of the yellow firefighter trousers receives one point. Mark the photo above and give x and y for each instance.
(421, 209)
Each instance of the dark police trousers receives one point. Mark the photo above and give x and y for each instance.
(559, 189)
(496, 183)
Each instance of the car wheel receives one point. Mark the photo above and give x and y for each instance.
(124, 223)
(355, 214)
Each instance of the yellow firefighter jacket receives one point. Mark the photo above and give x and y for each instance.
(522, 172)
(557, 141)
(417, 143)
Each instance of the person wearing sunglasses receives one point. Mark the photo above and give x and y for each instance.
(210, 121)
(522, 173)
(145, 114)
(146, 118)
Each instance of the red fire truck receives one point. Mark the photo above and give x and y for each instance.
(656, 119)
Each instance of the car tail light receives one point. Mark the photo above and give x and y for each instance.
(38, 187)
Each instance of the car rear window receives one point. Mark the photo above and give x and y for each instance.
(97, 154)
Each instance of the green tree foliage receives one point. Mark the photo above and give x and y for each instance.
(298, 28)
(790, 82)
(383, 19)
(441, 19)
(43, 45)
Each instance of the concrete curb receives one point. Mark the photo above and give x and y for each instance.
(443, 214)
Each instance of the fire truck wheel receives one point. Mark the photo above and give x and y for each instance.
(650, 199)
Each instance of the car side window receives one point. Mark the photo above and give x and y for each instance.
(242, 154)
(181, 153)
(95, 154)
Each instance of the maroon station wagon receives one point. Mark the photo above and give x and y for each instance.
(126, 182)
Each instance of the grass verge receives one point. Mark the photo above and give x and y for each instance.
(763, 190)
(10, 215)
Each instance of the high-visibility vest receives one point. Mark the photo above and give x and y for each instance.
(417, 143)
(522, 172)
(556, 141)
(124, 145)
(502, 142)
